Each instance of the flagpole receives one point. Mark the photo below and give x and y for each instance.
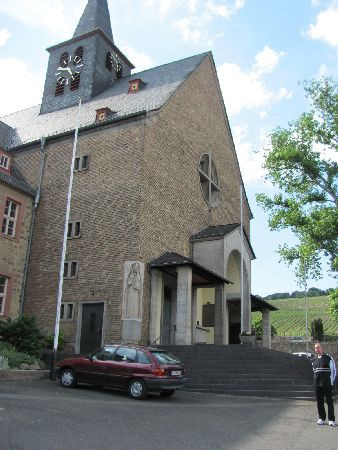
(242, 262)
(64, 248)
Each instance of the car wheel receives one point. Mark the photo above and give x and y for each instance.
(138, 389)
(168, 393)
(68, 378)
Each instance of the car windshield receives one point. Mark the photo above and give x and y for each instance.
(165, 358)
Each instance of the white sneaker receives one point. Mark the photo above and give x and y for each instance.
(332, 423)
(320, 422)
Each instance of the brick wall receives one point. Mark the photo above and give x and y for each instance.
(140, 197)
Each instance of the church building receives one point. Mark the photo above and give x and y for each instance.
(154, 239)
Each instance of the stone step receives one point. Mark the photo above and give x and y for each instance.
(299, 394)
(250, 382)
(256, 384)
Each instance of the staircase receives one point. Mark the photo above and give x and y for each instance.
(245, 370)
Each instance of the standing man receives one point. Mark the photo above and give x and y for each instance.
(324, 370)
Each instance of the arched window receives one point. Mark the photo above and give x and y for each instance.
(78, 55)
(109, 61)
(64, 59)
(75, 83)
(209, 179)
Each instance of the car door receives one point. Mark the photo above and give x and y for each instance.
(120, 371)
(93, 369)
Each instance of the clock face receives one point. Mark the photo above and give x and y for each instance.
(69, 70)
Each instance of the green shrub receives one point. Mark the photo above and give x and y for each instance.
(15, 359)
(24, 334)
(257, 326)
(49, 341)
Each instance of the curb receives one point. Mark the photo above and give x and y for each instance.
(16, 374)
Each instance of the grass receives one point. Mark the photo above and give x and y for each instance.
(289, 320)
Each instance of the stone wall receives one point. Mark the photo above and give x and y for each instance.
(291, 347)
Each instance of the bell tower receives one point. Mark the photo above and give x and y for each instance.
(86, 64)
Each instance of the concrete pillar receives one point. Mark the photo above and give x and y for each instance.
(219, 319)
(194, 314)
(225, 318)
(183, 314)
(156, 300)
(266, 328)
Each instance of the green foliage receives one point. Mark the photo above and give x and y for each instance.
(15, 359)
(49, 341)
(333, 305)
(299, 167)
(289, 320)
(257, 327)
(24, 334)
(317, 329)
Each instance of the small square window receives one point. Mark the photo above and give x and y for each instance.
(70, 269)
(81, 163)
(67, 311)
(74, 229)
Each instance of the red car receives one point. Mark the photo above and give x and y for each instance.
(129, 367)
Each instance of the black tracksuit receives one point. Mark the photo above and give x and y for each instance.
(324, 370)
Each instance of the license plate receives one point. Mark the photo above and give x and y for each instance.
(176, 373)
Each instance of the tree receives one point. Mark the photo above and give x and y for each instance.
(299, 166)
(317, 329)
(333, 305)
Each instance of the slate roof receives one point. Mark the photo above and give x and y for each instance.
(16, 180)
(214, 231)
(96, 15)
(220, 231)
(161, 83)
(172, 259)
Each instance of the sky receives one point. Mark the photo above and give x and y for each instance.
(263, 50)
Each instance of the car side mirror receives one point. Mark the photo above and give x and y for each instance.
(90, 357)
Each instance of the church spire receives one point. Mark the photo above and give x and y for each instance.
(96, 15)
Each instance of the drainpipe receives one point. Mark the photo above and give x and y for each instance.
(36, 202)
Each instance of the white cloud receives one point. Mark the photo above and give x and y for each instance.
(19, 88)
(189, 34)
(325, 27)
(141, 60)
(267, 60)
(224, 9)
(247, 90)
(193, 27)
(250, 158)
(58, 17)
(315, 2)
(4, 36)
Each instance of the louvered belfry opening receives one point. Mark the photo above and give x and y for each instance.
(75, 83)
(78, 55)
(109, 61)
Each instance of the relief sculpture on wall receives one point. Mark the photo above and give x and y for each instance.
(133, 290)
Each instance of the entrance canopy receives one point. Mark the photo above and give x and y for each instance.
(168, 262)
(257, 304)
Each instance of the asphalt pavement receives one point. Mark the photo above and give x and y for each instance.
(42, 415)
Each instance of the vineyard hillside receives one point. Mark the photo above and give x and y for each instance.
(289, 320)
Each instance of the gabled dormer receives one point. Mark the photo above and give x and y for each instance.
(5, 162)
(86, 64)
